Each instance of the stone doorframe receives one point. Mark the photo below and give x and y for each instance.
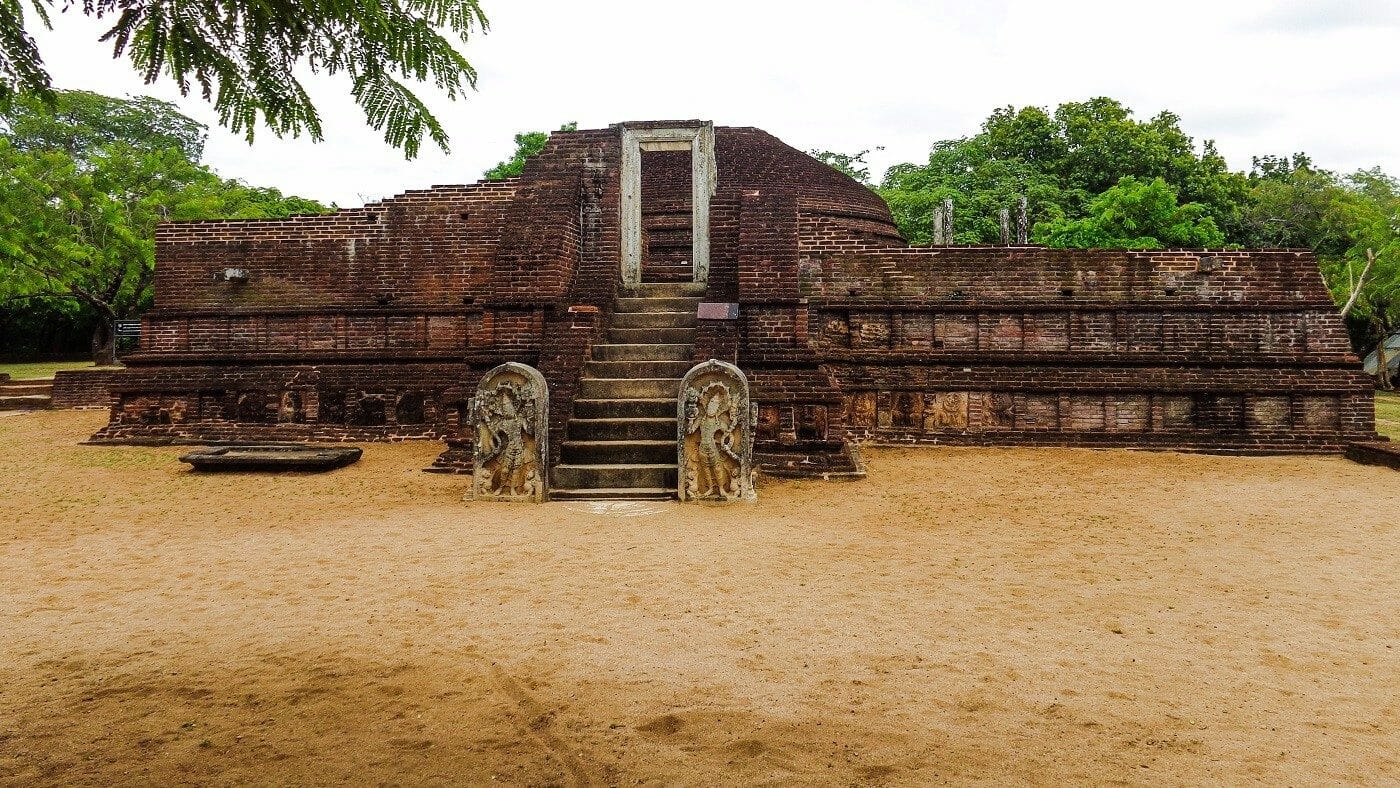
(699, 139)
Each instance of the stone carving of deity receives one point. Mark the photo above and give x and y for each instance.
(511, 411)
(716, 422)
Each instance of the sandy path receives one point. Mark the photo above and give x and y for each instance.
(1041, 616)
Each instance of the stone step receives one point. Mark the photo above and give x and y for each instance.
(22, 388)
(641, 352)
(657, 304)
(617, 452)
(643, 336)
(635, 369)
(614, 408)
(595, 476)
(614, 494)
(653, 319)
(619, 429)
(629, 388)
(664, 289)
(31, 401)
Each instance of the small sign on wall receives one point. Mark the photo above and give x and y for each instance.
(715, 310)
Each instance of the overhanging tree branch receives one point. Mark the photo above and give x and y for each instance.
(242, 56)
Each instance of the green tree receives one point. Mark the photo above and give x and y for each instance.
(1135, 214)
(1293, 204)
(527, 144)
(79, 122)
(851, 164)
(1350, 222)
(1365, 276)
(245, 56)
(979, 182)
(79, 225)
(1060, 162)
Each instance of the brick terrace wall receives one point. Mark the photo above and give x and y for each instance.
(84, 388)
(1181, 349)
(429, 248)
(370, 323)
(374, 303)
(331, 402)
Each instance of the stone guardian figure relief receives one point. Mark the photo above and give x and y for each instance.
(511, 412)
(715, 424)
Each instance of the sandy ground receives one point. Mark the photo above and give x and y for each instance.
(1023, 616)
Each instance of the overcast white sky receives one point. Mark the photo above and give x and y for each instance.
(1258, 76)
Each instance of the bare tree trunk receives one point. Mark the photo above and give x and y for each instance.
(1383, 381)
(104, 342)
(1360, 282)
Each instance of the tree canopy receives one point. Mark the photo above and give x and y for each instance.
(244, 56)
(1061, 162)
(852, 164)
(81, 191)
(1135, 214)
(79, 123)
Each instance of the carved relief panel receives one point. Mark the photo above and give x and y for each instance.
(999, 410)
(715, 443)
(946, 410)
(511, 413)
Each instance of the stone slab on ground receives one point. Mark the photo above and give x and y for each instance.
(272, 458)
(1384, 453)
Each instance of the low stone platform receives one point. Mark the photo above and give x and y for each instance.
(272, 458)
(1384, 453)
(26, 394)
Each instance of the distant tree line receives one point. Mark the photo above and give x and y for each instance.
(83, 183)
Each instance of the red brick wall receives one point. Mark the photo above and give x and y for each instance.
(1027, 345)
(422, 248)
(399, 307)
(83, 388)
(270, 401)
(667, 201)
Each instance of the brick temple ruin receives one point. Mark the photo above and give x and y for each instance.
(622, 257)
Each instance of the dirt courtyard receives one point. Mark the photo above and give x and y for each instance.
(1024, 616)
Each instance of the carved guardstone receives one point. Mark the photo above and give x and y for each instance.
(715, 426)
(511, 411)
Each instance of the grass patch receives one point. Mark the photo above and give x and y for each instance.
(1388, 414)
(31, 370)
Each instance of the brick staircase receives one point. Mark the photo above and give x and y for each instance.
(621, 441)
(26, 394)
